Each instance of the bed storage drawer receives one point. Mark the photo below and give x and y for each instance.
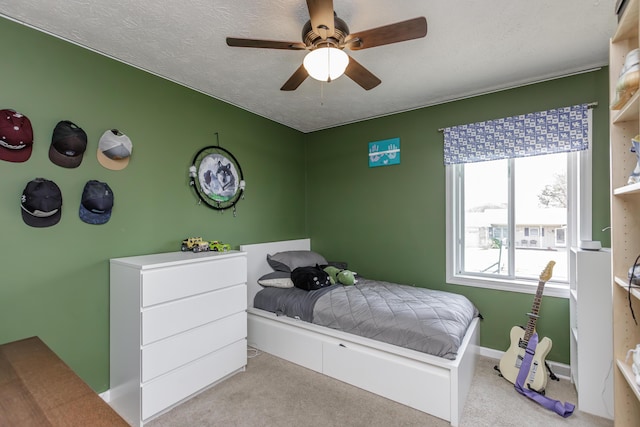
(177, 385)
(288, 342)
(400, 380)
(165, 320)
(161, 357)
(170, 283)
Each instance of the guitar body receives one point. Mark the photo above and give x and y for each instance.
(512, 358)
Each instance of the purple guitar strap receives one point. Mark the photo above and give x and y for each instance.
(563, 409)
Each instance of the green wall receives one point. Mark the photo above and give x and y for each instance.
(389, 222)
(55, 281)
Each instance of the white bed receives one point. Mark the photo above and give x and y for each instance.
(428, 383)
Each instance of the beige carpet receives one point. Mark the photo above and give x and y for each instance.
(273, 392)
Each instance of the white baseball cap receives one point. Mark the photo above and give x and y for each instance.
(114, 150)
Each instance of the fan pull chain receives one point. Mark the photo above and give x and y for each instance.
(328, 66)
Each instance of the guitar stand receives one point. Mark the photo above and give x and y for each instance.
(498, 369)
(551, 374)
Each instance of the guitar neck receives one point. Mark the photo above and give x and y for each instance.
(533, 316)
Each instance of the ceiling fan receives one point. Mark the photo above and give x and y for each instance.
(325, 36)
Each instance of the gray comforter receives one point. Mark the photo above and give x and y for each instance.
(421, 319)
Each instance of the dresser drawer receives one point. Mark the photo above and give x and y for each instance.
(174, 282)
(168, 319)
(161, 357)
(181, 383)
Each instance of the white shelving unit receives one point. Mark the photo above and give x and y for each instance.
(625, 222)
(591, 330)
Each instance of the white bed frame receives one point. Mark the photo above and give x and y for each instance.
(428, 383)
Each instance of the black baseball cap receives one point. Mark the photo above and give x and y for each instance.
(96, 203)
(68, 144)
(41, 203)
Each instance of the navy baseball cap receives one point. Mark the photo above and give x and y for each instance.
(41, 203)
(96, 203)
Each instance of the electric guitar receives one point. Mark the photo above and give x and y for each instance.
(512, 358)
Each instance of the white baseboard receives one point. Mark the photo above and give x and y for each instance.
(561, 370)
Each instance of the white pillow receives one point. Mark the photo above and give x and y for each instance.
(276, 279)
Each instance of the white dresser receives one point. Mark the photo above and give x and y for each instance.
(178, 325)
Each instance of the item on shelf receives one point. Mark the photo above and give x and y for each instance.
(634, 280)
(217, 246)
(114, 150)
(628, 79)
(634, 274)
(16, 136)
(621, 6)
(194, 244)
(635, 148)
(68, 144)
(635, 365)
(41, 203)
(96, 203)
(590, 245)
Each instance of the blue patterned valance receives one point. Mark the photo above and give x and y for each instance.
(545, 132)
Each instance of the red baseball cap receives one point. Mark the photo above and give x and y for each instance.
(16, 136)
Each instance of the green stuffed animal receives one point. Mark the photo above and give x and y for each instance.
(347, 277)
(333, 273)
(344, 277)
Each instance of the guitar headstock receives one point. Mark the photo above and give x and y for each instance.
(548, 270)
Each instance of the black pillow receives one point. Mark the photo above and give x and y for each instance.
(310, 278)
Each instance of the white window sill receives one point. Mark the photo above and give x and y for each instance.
(551, 289)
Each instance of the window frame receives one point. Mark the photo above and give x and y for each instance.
(579, 186)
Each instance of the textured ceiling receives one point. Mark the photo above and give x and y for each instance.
(471, 47)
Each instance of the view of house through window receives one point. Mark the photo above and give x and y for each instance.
(513, 217)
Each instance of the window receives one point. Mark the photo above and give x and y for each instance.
(507, 218)
(560, 236)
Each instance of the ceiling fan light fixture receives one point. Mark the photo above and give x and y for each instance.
(326, 63)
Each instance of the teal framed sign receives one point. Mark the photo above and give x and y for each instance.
(384, 153)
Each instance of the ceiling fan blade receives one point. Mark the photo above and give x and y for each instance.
(365, 78)
(321, 14)
(266, 44)
(392, 33)
(296, 79)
